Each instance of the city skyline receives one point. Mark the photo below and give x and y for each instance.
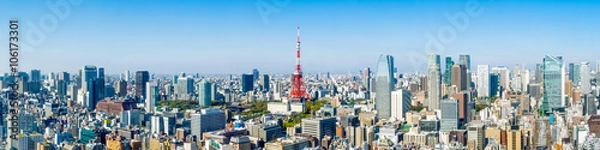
(100, 33)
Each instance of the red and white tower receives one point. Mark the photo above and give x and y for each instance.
(298, 93)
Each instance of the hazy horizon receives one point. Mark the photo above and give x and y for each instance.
(233, 37)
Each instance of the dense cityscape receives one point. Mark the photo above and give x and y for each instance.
(300, 75)
(452, 106)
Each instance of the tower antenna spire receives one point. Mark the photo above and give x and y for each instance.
(298, 93)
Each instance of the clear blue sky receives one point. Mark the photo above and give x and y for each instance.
(227, 36)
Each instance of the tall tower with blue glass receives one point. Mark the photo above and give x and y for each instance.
(553, 83)
(204, 93)
(384, 86)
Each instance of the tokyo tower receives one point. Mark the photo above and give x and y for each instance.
(298, 93)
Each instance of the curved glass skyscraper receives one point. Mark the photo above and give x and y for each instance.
(384, 84)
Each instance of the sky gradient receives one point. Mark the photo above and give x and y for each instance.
(227, 36)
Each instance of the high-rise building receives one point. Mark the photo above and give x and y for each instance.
(553, 82)
(514, 138)
(459, 77)
(26, 122)
(585, 78)
(597, 65)
(255, 75)
(35, 84)
(96, 92)
(503, 76)
(463, 110)
(589, 107)
(448, 71)
(62, 84)
(539, 73)
(367, 78)
(130, 117)
(319, 127)
(207, 120)
(265, 82)
(152, 96)
(400, 103)
(89, 74)
(465, 60)
(575, 72)
(169, 121)
(184, 87)
(127, 75)
(434, 82)
(476, 135)
(101, 72)
(157, 124)
(141, 77)
(535, 91)
(494, 84)
(121, 89)
(384, 85)
(483, 80)
(525, 79)
(204, 93)
(247, 82)
(450, 114)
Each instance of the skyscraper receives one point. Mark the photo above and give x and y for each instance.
(384, 85)
(127, 75)
(121, 88)
(554, 76)
(434, 82)
(36, 81)
(465, 60)
(90, 86)
(538, 73)
(204, 93)
(367, 78)
(400, 103)
(585, 78)
(264, 82)
(152, 96)
(141, 77)
(450, 114)
(255, 75)
(101, 72)
(575, 72)
(184, 87)
(503, 76)
(247, 82)
(597, 66)
(448, 71)
(96, 92)
(63, 82)
(463, 110)
(88, 75)
(589, 107)
(483, 80)
(494, 84)
(459, 77)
